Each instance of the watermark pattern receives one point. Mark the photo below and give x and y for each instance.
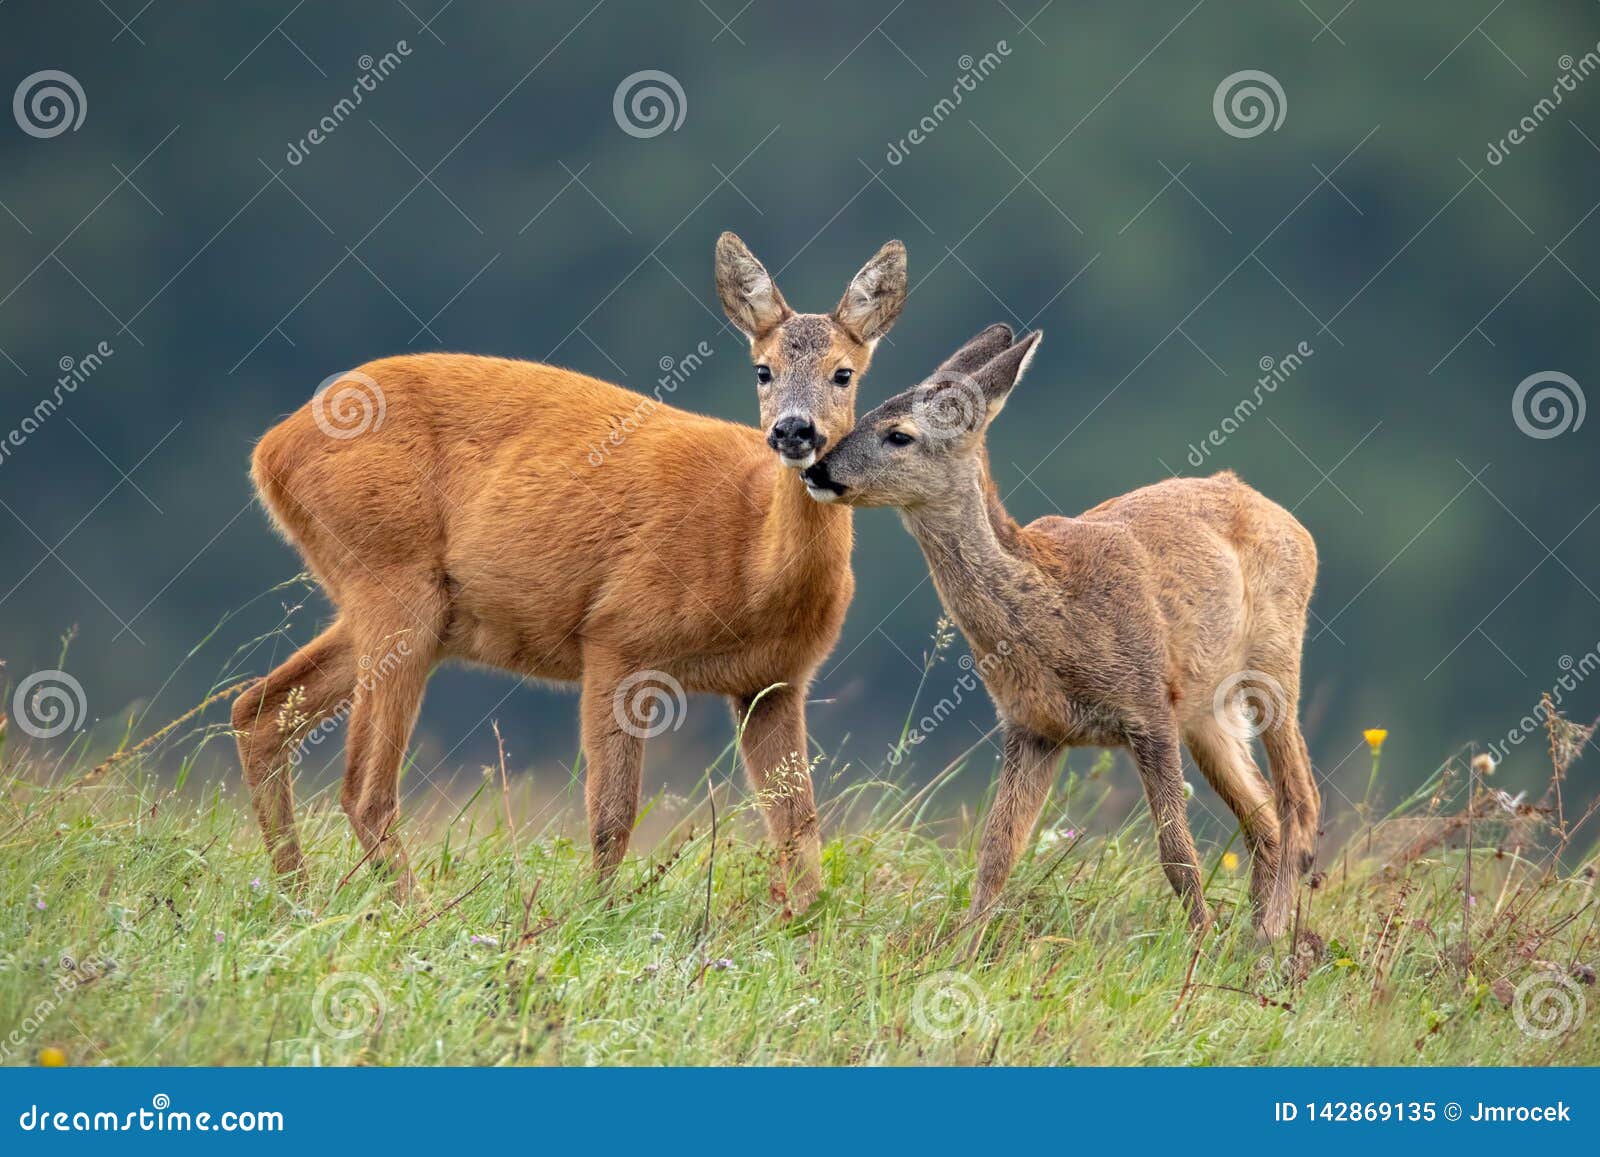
(1248, 103)
(347, 405)
(648, 703)
(347, 1004)
(74, 372)
(160, 1117)
(48, 703)
(1573, 73)
(1548, 1004)
(973, 73)
(1547, 404)
(373, 73)
(947, 1004)
(1248, 702)
(966, 683)
(949, 405)
(73, 975)
(648, 103)
(674, 372)
(1575, 671)
(48, 103)
(1274, 373)
(371, 673)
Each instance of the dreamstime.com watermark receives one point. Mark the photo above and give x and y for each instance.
(371, 672)
(1248, 103)
(1573, 73)
(1548, 404)
(49, 103)
(1575, 671)
(373, 73)
(348, 1004)
(160, 1117)
(648, 703)
(347, 405)
(74, 372)
(966, 683)
(973, 73)
(1548, 1004)
(674, 372)
(72, 975)
(1248, 702)
(1274, 373)
(48, 703)
(947, 1004)
(648, 103)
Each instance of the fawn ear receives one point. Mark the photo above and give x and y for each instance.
(876, 295)
(1001, 373)
(979, 351)
(749, 295)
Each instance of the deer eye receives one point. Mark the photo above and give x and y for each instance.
(764, 374)
(842, 377)
(898, 438)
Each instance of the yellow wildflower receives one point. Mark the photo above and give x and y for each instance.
(1230, 861)
(52, 1058)
(1375, 737)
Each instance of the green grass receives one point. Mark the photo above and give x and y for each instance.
(182, 951)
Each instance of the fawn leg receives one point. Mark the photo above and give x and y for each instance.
(1161, 771)
(1225, 761)
(1026, 772)
(773, 741)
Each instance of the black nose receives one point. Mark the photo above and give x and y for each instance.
(817, 475)
(794, 437)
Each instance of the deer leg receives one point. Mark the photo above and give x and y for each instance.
(1299, 802)
(270, 721)
(773, 740)
(1161, 772)
(1026, 772)
(613, 745)
(1226, 763)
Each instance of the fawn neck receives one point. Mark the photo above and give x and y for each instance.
(973, 548)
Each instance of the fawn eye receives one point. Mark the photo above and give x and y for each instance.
(898, 438)
(842, 377)
(764, 374)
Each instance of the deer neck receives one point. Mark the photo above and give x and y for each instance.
(802, 541)
(974, 552)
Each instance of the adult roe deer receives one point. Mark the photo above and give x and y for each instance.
(1178, 610)
(468, 519)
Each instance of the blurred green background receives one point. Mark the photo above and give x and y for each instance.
(485, 197)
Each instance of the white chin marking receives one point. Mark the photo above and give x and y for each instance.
(798, 463)
(820, 494)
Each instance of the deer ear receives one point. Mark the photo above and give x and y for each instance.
(978, 352)
(876, 295)
(1000, 374)
(749, 295)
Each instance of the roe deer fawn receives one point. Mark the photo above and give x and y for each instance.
(470, 521)
(1178, 610)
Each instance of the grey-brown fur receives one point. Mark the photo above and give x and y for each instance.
(1125, 626)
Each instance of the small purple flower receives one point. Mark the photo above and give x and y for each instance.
(489, 940)
(39, 904)
(255, 884)
(722, 964)
(220, 937)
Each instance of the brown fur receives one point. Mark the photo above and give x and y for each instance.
(475, 523)
(1125, 626)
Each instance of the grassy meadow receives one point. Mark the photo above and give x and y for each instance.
(139, 925)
